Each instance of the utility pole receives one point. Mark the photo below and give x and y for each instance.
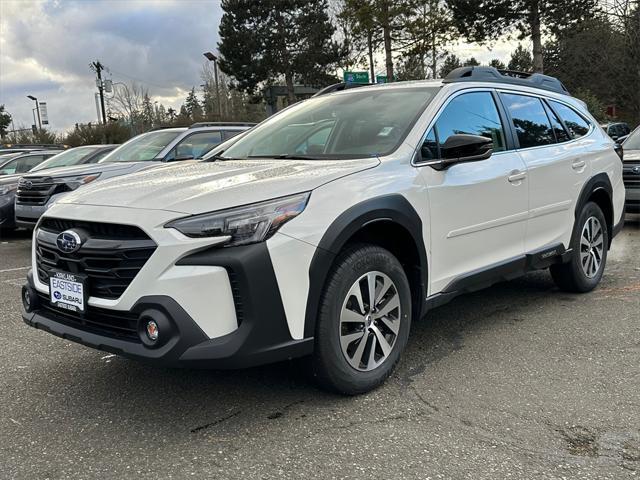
(98, 67)
(211, 57)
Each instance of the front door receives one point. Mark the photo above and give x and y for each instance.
(478, 210)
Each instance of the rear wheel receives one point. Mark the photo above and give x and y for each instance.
(363, 322)
(590, 241)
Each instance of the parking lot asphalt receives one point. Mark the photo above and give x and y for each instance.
(517, 381)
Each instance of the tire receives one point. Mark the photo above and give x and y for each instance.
(341, 362)
(584, 271)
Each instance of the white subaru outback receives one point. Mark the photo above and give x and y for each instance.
(330, 227)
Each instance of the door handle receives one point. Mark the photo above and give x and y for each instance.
(517, 176)
(578, 164)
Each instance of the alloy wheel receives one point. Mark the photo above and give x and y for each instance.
(370, 321)
(591, 247)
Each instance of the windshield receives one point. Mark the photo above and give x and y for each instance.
(142, 148)
(73, 156)
(633, 142)
(354, 124)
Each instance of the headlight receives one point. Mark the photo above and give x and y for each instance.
(7, 188)
(243, 225)
(78, 181)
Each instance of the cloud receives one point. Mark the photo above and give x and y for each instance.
(46, 48)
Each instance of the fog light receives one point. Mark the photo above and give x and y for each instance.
(29, 299)
(26, 298)
(152, 330)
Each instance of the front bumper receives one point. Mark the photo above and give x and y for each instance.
(633, 200)
(7, 220)
(27, 216)
(262, 335)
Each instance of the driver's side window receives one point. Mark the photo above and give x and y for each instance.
(473, 113)
(9, 168)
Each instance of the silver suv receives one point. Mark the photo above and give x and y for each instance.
(36, 192)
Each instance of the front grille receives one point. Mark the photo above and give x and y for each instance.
(111, 255)
(631, 179)
(116, 324)
(37, 190)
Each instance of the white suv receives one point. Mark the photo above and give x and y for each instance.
(330, 227)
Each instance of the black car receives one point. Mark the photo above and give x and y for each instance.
(631, 171)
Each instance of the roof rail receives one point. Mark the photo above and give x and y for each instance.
(336, 87)
(222, 124)
(34, 145)
(512, 77)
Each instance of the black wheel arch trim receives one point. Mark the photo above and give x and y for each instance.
(395, 208)
(598, 182)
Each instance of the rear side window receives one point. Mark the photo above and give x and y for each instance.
(577, 125)
(472, 114)
(529, 120)
(558, 128)
(227, 134)
(196, 145)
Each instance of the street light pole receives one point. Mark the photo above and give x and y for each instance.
(210, 56)
(31, 97)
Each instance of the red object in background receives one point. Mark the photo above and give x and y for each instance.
(611, 111)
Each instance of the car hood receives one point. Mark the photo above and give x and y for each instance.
(632, 155)
(5, 179)
(112, 169)
(197, 187)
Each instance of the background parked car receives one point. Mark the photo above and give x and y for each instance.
(147, 150)
(616, 129)
(631, 171)
(9, 183)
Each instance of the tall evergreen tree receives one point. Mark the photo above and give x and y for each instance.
(521, 60)
(450, 63)
(192, 106)
(484, 20)
(5, 121)
(263, 42)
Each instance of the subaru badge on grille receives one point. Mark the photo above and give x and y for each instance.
(68, 241)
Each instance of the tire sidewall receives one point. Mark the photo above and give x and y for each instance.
(349, 267)
(585, 283)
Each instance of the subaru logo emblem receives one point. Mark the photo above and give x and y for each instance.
(636, 170)
(68, 241)
(27, 184)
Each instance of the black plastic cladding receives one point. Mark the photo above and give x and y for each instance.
(390, 207)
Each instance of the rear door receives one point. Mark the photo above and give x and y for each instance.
(478, 210)
(556, 167)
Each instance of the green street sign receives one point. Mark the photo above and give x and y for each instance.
(356, 77)
(381, 79)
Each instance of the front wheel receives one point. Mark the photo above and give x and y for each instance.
(363, 322)
(589, 242)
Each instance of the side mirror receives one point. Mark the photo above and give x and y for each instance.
(462, 148)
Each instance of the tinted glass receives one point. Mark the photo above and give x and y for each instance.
(561, 133)
(227, 134)
(69, 157)
(100, 155)
(363, 122)
(471, 113)
(9, 167)
(196, 145)
(577, 125)
(529, 119)
(142, 148)
(27, 163)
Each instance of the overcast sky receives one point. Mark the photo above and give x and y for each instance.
(46, 47)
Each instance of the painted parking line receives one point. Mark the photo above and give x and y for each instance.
(15, 269)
